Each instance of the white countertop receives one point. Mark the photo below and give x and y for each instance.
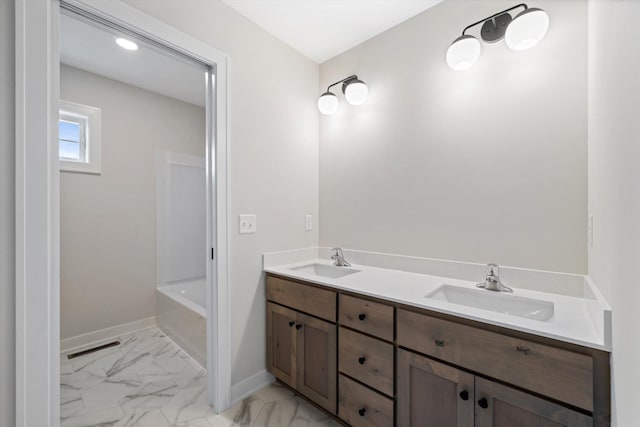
(571, 321)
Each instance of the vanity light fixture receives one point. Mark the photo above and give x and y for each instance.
(520, 33)
(126, 44)
(355, 92)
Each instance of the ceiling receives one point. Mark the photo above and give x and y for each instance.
(322, 29)
(91, 47)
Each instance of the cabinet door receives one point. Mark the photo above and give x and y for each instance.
(501, 406)
(431, 394)
(317, 361)
(281, 343)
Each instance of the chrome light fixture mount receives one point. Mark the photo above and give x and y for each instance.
(521, 32)
(355, 92)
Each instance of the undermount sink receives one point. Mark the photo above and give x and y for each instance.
(323, 270)
(498, 302)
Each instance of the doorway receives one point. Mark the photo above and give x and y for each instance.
(38, 193)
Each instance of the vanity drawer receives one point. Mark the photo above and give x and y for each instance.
(366, 359)
(361, 407)
(308, 299)
(367, 316)
(553, 372)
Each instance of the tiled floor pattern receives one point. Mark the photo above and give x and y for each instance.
(147, 381)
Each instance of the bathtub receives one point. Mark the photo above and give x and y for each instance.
(181, 314)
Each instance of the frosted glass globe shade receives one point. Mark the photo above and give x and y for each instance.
(463, 52)
(527, 29)
(356, 92)
(328, 103)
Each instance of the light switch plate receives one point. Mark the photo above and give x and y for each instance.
(308, 222)
(247, 224)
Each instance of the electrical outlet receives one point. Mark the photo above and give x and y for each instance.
(308, 222)
(247, 224)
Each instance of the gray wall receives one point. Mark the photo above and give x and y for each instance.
(107, 221)
(484, 165)
(7, 223)
(273, 152)
(614, 184)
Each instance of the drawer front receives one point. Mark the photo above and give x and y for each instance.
(366, 359)
(370, 317)
(361, 407)
(556, 373)
(308, 299)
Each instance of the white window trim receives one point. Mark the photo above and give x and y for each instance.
(93, 139)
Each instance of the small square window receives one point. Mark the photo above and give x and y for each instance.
(79, 138)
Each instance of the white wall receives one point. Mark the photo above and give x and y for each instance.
(614, 187)
(485, 165)
(108, 221)
(273, 155)
(7, 217)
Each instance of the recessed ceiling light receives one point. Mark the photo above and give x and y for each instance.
(126, 44)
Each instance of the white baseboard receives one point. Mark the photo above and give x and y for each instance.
(95, 338)
(248, 386)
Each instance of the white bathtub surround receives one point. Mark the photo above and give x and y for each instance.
(407, 280)
(182, 315)
(149, 381)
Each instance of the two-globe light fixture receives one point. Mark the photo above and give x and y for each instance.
(523, 32)
(355, 92)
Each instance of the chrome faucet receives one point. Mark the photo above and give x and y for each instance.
(492, 281)
(338, 257)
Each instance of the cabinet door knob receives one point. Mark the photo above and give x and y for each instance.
(362, 360)
(483, 403)
(291, 323)
(362, 411)
(439, 343)
(464, 395)
(522, 349)
(362, 316)
(298, 326)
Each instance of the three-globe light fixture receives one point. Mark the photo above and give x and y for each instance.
(519, 33)
(355, 92)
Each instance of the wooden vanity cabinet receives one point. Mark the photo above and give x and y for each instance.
(375, 363)
(432, 394)
(301, 348)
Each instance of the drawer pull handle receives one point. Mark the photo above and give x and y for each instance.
(298, 326)
(291, 323)
(362, 360)
(464, 395)
(362, 411)
(524, 350)
(439, 343)
(362, 316)
(483, 403)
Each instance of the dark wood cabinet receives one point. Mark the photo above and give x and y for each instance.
(502, 406)
(301, 352)
(316, 360)
(432, 394)
(282, 346)
(338, 349)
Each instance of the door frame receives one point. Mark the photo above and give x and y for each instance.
(37, 58)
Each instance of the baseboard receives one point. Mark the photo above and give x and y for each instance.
(92, 339)
(248, 386)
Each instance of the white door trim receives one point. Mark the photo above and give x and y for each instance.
(38, 203)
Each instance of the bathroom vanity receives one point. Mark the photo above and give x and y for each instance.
(375, 361)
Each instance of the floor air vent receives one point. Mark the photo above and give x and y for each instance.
(93, 349)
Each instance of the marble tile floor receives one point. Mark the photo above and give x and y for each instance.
(148, 381)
